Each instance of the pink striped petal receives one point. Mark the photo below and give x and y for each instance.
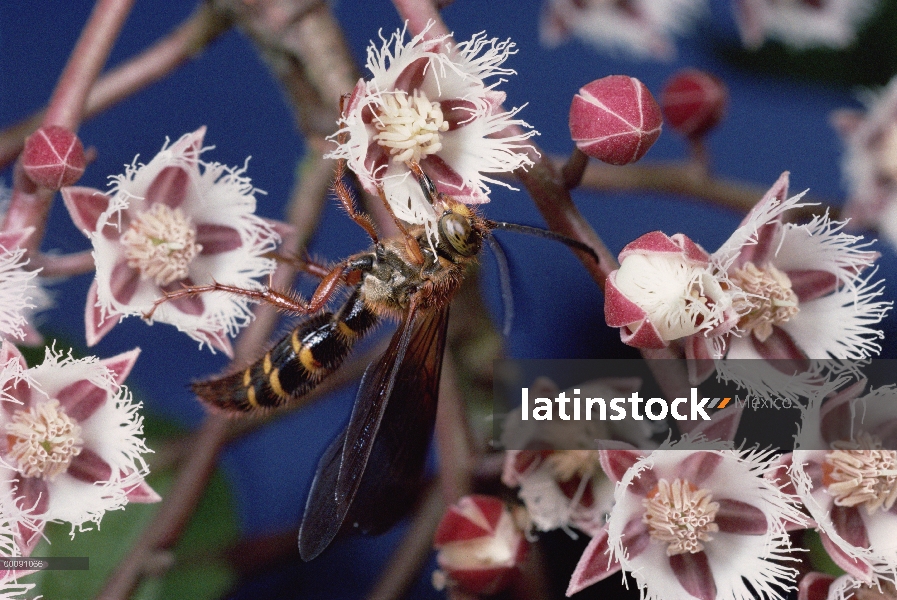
(85, 205)
(123, 282)
(121, 364)
(785, 354)
(15, 238)
(89, 467)
(18, 391)
(619, 310)
(189, 146)
(457, 113)
(814, 586)
(722, 424)
(851, 565)
(219, 341)
(170, 187)
(849, 525)
(96, 326)
(32, 494)
(448, 181)
(216, 239)
(655, 242)
(616, 463)
(735, 516)
(189, 305)
(809, 285)
(142, 493)
(81, 399)
(697, 467)
(594, 565)
(835, 416)
(412, 76)
(694, 574)
(375, 160)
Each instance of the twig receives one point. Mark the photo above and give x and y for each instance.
(411, 555)
(453, 437)
(420, 15)
(63, 265)
(194, 34)
(30, 205)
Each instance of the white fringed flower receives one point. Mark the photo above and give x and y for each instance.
(706, 524)
(805, 294)
(642, 28)
(71, 446)
(427, 102)
(844, 469)
(172, 222)
(869, 164)
(555, 463)
(821, 586)
(802, 23)
(19, 292)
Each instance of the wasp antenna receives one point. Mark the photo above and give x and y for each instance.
(504, 278)
(544, 233)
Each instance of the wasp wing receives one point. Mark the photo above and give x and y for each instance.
(397, 398)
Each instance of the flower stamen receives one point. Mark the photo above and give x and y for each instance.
(769, 299)
(409, 126)
(161, 244)
(861, 472)
(43, 440)
(680, 515)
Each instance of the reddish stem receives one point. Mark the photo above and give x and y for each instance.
(86, 62)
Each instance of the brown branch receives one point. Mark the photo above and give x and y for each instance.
(409, 558)
(194, 34)
(63, 265)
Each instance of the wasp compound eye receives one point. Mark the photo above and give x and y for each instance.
(457, 231)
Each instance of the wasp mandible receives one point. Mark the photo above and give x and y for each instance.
(410, 278)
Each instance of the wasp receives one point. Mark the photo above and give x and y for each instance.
(369, 475)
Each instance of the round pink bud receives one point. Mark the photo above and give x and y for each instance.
(694, 102)
(480, 545)
(615, 119)
(53, 157)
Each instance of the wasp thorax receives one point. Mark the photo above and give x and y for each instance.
(409, 127)
(458, 233)
(161, 244)
(43, 440)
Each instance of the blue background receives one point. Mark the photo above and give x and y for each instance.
(774, 124)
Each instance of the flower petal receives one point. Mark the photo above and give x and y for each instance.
(216, 239)
(170, 187)
(858, 568)
(443, 175)
(89, 467)
(594, 565)
(812, 284)
(699, 466)
(32, 494)
(615, 464)
(121, 365)
(14, 238)
(97, 323)
(735, 516)
(85, 205)
(81, 399)
(458, 112)
(784, 355)
(694, 574)
(123, 282)
(412, 76)
(189, 146)
(722, 424)
(814, 586)
(142, 493)
(849, 525)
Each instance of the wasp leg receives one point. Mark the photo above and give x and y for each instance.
(306, 265)
(285, 301)
(345, 198)
(410, 241)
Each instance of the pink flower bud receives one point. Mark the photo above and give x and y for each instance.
(480, 545)
(615, 119)
(53, 157)
(694, 102)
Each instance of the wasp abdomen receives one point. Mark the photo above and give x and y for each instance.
(296, 363)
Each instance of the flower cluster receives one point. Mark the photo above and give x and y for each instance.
(175, 221)
(427, 103)
(762, 294)
(802, 23)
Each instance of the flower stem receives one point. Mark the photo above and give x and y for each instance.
(574, 168)
(194, 34)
